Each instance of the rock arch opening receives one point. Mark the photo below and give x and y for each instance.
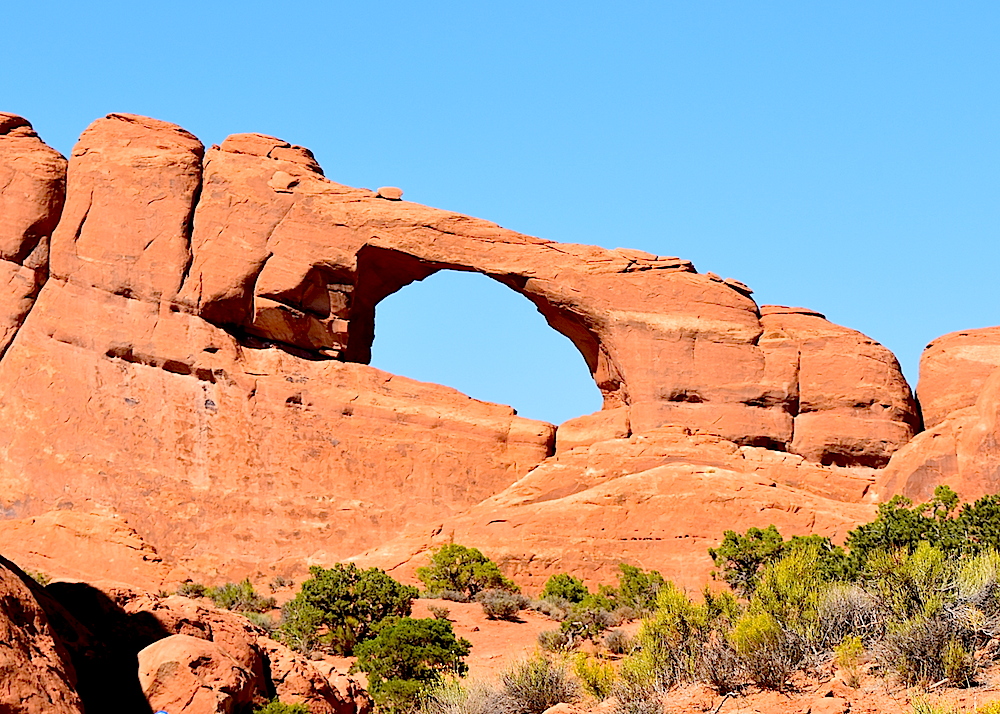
(463, 330)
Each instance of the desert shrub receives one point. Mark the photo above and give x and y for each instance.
(555, 609)
(451, 697)
(299, 627)
(240, 597)
(617, 642)
(741, 557)
(555, 641)
(586, 623)
(539, 683)
(768, 653)
(500, 604)
(262, 620)
(440, 612)
(989, 708)
(563, 586)
(452, 596)
(340, 606)
(595, 675)
(625, 613)
(719, 666)
(652, 705)
(278, 582)
(638, 588)
(276, 707)
(847, 656)
(192, 589)
(941, 522)
(466, 570)
(791, 589)
(926, 650)
(406, 656)
(910, 583)
(847, 610)
(39, 577)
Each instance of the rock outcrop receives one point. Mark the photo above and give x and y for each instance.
(36, 673)
(192, 357)
(959, 390)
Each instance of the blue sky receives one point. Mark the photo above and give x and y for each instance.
(838, 155)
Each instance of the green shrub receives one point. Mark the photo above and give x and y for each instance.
(741, 558)
(465, 570)
(791, 589)
(240, 597)
(346, 603)
(847, 656)
(192, 589)
(39, 577)
(276, 707)
(923, 706)
(500, 604)
(563, 586)
(767, 652)
(539, 683)
(596, 675)
(406, 656)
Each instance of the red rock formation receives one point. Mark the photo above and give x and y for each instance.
(33, 177)
(850, 400)
(953, 371)
(36, 674)
(195, 362)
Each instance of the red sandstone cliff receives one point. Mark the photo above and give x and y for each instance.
(184, 335)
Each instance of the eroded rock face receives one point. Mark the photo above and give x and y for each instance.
(196, 360)
(36, 673)
(851, 403)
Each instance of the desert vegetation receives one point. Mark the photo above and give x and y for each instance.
(913, 596)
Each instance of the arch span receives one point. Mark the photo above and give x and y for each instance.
(470, 332)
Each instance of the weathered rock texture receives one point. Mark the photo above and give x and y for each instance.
(195, 361)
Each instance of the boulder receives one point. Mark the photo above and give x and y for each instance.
(181, 674)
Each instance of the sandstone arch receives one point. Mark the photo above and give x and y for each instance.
(197, 332)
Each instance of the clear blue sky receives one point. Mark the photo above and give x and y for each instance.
(838, 155)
